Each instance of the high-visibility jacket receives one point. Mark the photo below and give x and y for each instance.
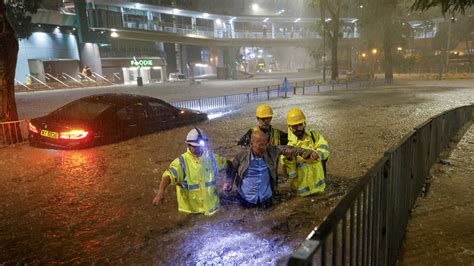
(274, 138)
(306, 176)
(195, 180)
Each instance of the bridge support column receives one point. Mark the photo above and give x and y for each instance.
(229, 65)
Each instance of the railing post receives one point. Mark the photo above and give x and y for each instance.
(332, 83)
(384, 213)
(268, 92)
(278, 92)
(248, 97)
(294, 88)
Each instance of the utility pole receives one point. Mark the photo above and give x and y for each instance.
(448, 43)
(323, 20)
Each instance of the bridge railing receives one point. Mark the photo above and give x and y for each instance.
(367, 227)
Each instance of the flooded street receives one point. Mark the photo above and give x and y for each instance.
(94, 205)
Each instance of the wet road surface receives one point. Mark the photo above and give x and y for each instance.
(94, 205)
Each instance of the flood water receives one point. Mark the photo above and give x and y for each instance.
(94, 205)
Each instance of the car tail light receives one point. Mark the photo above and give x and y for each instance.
(32, 128)
(74, 134)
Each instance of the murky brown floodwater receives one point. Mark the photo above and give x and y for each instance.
(95, 205)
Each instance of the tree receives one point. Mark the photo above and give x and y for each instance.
(383, 24)
(331, 27)
(447, 6)
(15, 23)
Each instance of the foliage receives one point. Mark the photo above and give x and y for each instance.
(19, 13)
(447, 6)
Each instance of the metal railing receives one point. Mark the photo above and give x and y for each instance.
(13, 132)
(269, 92)
(367, 227)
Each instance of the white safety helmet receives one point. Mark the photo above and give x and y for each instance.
(196, 137)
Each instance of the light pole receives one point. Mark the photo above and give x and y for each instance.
(323, 20)
(374, 54)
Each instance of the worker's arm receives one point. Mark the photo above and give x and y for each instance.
(245, 139)
(160, 196)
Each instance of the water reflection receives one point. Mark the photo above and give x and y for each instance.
(77, 209)
(227, 244)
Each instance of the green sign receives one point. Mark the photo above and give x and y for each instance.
(141, 63)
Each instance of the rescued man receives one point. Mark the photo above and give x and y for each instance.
(255, 170)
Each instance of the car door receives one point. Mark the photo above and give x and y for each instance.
(132, 119)
(162, 115)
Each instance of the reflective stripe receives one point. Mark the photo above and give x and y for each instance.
(320, 183)
(190, 187)
(211, 183)
(276, 137)
(299, 165)
(303, 190)
(214, 164)
(214, 208)
(175, 173)
(321, 155)
(322, 146)
(291, 175)
(183, 167)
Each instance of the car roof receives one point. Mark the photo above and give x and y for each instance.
(116, 98)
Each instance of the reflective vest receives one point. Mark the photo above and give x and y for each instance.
(306, 176)
(195, 180)
(274, 138)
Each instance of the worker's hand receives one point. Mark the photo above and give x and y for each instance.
(314, 156)
(227, 187)
(159, 198)
(286, 152)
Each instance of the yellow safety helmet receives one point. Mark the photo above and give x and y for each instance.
(295, 117)
(264, 111)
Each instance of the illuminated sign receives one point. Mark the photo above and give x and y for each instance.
(141, 63)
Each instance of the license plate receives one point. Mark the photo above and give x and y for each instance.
(49, 134)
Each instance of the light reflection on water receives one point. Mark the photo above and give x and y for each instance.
(225, 244)
(78, 184)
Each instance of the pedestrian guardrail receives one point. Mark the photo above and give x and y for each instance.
(13, 132)
(268, 92)
(367, 227)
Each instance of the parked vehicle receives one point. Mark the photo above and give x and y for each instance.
(173, 77)
(107, 118)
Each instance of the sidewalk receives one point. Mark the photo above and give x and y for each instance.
(441, 230)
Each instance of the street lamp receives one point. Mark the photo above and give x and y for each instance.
(399, 49)
(374, 61)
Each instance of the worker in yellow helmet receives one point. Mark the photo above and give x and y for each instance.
(306, 175)
(194, 173)
(264, 114)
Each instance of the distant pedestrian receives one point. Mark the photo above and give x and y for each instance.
(285, 86)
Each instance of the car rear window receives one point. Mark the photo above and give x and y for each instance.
(82, 109)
